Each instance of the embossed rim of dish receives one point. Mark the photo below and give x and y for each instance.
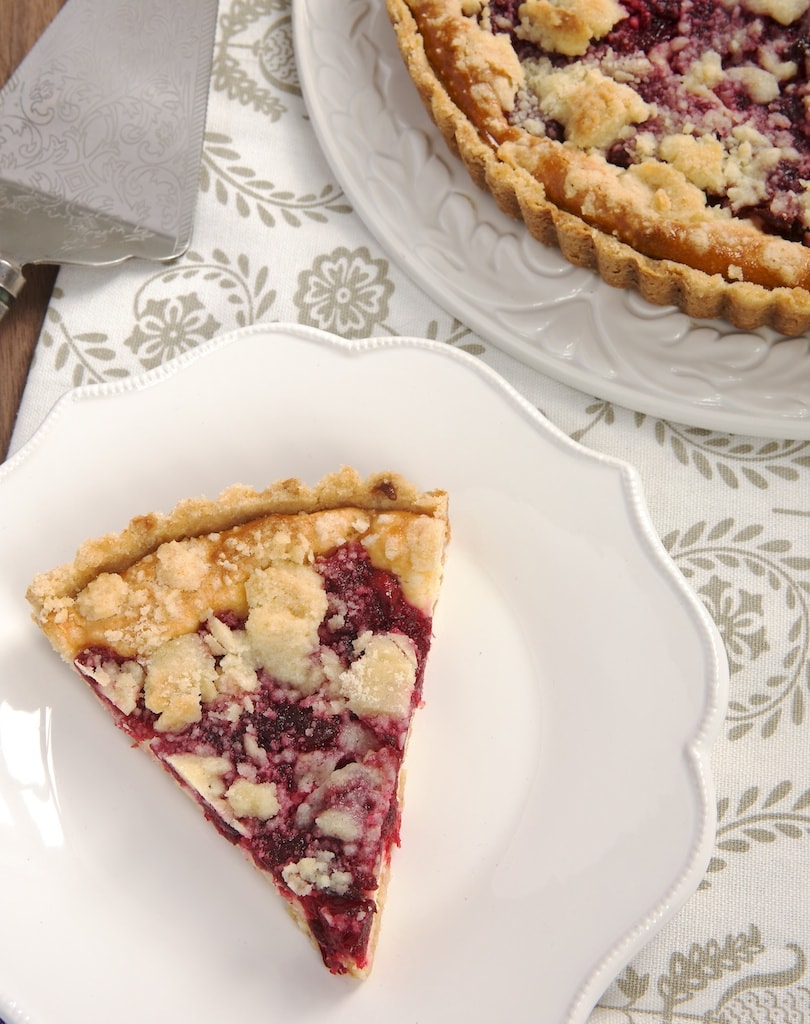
(244, 350)
(420, 203)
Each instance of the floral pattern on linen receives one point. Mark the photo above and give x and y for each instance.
(170, 322)
(749, 581)
(255, 36)
(727, 971)
(276, 239)
(345, 292)
(169, 327)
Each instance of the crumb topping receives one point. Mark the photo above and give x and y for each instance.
(382, 679)
(303, 777)
(286, 605)
(262, 570)
(273, 667)
(662, 79)
(566, 26)
(181, 566)
(594, 109)
(102, 597)
(783, 11)
(179, 676)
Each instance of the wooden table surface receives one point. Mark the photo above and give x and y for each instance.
(23, 22)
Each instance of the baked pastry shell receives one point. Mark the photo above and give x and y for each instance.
(522, 196)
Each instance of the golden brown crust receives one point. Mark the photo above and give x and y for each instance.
(132, 606)
(646, 227)
(193, 517)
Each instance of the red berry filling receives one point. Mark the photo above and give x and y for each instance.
(654, 48)
(329, 768)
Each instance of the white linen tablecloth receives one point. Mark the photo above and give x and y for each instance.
(277, 240)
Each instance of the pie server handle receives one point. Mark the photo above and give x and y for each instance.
(12, 280)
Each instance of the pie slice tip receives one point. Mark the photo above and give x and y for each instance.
(267, 649)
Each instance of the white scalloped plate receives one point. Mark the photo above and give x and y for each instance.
(559, 807)
(486, 269)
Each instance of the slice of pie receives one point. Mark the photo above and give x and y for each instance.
(663, 143)
(268, 650)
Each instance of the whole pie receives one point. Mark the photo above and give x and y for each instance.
(268, 649)
(665, 144)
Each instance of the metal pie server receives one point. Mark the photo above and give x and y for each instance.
(101, 130)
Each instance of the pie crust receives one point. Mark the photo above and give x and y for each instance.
(651, 225)
(267, 649)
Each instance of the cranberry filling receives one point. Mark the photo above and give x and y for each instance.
(366, 598)
(304, 740)
(674, 35)
(341, 926)
(139, 724)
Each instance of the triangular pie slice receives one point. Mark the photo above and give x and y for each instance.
(267, 648)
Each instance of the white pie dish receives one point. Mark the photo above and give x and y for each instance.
(544, 842)
(486, 270)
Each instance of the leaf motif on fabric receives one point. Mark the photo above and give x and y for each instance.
(749, 582)
(86, 357)
(733, 461)
(759, 817)
(230, 180)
